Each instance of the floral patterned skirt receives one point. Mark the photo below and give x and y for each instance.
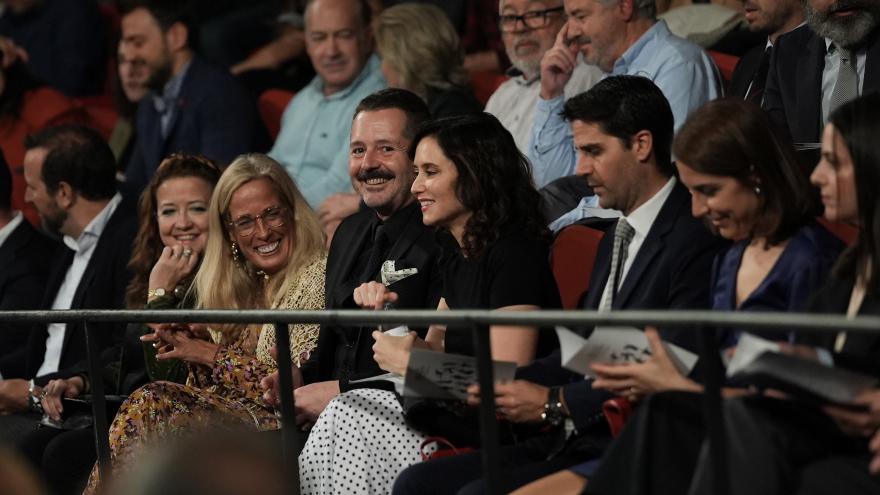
(162, 411)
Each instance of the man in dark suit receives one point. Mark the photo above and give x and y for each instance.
(193, 106)
(70, 174)
(771, 18)
(24, 253)
(388, 228)
(818, 67)
(622, 130)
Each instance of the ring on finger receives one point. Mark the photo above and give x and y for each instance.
(186, 253)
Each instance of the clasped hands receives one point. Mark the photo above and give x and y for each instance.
(188, 342)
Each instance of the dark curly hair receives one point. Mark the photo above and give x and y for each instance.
(494, 178)
(147, 244)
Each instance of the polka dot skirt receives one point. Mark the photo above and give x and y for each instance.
(359, 445)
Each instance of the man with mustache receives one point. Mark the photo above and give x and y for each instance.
(818, 67)
(621, 37)
(389, 228)
(528, 29)
(192, 106)
(772, 18)
(310, 144)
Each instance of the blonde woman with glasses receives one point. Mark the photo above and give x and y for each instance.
(265, 250)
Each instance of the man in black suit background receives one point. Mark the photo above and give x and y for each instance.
(388, 227)
(771, 18)
(24, 267)
(623, 129)
(192, 106)
(70, 177)
(818, 67)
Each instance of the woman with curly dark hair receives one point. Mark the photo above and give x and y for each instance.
(473, 184)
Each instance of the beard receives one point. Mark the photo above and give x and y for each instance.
(52, 222)
(848, 31)
(159, 75)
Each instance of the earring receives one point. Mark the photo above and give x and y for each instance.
(234, 249)
(757, 190)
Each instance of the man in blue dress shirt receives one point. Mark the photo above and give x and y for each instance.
(313, 142)
(622, 37)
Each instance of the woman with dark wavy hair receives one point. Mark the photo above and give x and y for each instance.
(473, 184)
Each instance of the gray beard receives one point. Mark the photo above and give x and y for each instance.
(847, 32)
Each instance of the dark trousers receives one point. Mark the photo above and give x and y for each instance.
(63, 457)
(657, 450)
(836, 475)
(767, 443)
(520, 465)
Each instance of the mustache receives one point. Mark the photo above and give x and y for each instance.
(579, 40)
(841, 5)
(376, 173)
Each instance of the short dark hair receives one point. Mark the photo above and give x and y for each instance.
(409, 103)
(78, 156)
(858, 125)
(624, 105)
(5, 184)
(735, 138)
(167, 13)
(494, 178)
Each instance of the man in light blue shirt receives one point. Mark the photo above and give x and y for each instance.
(622, 37)
(313, 142)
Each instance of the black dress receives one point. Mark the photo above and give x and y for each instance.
(514, 270)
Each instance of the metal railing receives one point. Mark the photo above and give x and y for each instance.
(704, 322)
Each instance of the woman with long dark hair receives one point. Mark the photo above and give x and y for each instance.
(473, 184)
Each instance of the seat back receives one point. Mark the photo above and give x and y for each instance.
(485, 83)
(271, 105)
(572, 259)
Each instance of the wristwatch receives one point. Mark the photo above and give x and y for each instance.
(554, 413)
(34, 402)
(154, 293)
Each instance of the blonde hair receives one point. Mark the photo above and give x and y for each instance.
(221, 283)
(424, 59)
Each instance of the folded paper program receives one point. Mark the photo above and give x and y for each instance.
(390, 275)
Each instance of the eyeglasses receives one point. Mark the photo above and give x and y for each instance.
(246, 225)
(534, 19)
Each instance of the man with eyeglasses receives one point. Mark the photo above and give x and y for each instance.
(622, 37)
(528, 29)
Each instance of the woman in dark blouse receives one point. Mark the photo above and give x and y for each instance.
(744, 180)
(473, 184)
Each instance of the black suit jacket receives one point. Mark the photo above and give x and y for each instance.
(102, 286)
(672, 270)
(793, 95)
(861, 351)
(745, 71)
(25, 258)
(345, 353)
(215, 116)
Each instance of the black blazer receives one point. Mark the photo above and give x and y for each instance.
(101, 287)
(25, 258)
(745, 71)
(861, 351)
(793, 95)
(215, 116)
(672, 270)
(345, 353)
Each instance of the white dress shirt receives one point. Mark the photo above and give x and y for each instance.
(641, 220)
(7, 229)
(83, 247)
